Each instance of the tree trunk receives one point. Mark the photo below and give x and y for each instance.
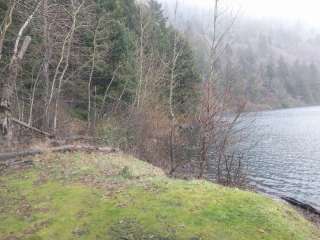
(5, 115)
(5, 102)
(7, 90)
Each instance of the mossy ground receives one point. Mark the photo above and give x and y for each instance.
(95, 196)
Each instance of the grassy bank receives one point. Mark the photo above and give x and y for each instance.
(94, 196)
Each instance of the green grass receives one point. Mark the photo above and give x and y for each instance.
(94, 196)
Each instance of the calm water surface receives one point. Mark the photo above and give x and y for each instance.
(286, 158)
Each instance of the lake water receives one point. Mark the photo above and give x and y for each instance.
(286, 158)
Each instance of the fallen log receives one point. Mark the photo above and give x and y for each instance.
(76, 140)
(87, 148)
(302, 205)
(12, 163)
(25, 125)
(67, 148)
(80, 137)
(22, 154)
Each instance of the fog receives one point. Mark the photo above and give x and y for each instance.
(284, 10)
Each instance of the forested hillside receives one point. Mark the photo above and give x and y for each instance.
(273, 64)
(90, 59)
(269, 63)
(119, 72)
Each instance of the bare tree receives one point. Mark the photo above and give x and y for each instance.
(34, 88)
(63, 63)
(100, 52)
(75, 12)
(93, 65)
(149, 63)
(173, 63)
(106, 92)
(9, 83)
(47, 55)
(144, 22)
(210, 107)
(7, 21)
(215, 129)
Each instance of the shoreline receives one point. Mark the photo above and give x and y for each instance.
(307, 211)
(312, 217)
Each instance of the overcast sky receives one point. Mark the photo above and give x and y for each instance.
(294, 10)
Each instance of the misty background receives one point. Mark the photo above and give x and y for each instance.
(271, 52)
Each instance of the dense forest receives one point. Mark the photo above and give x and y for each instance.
(118, 71)
(89, 57)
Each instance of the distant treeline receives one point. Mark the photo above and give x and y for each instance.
(269, 63)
